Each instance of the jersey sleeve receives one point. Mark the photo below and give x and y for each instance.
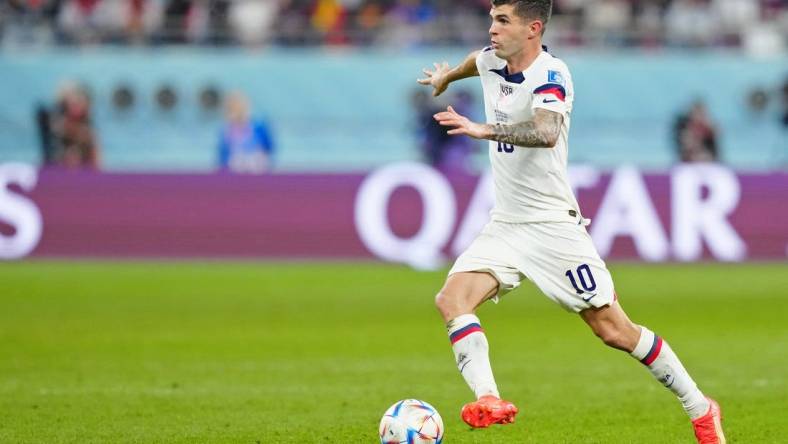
(553, 90)
(481, 60)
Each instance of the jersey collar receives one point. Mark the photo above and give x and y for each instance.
(517, 77)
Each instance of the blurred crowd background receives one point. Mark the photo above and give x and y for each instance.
(257, 86)
(758, 25)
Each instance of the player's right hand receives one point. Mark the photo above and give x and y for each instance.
(460, 124)
(438, 79)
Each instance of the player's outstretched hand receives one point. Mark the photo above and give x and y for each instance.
(438, 79)
(461, 124)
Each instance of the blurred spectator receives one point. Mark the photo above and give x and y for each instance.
(252, 20)
(82, 20)
(292, 26)
(329, 19)
(689, 23)
(405, 23)
(784, 94)
(183, 21)
(195, 21)
(142, 19)
(67, 135)
(28, 21)
(367, 22)
(446, 153)
(245, 145)
(431, 137)
(696, 135)
(608, 21)
(735, 17)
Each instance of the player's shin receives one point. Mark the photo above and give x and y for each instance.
(663, 363)
(471, 352)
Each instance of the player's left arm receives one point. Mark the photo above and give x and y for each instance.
(540, 132)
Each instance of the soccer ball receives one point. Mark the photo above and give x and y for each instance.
(411, 422)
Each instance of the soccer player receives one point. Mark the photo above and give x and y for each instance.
(536, 229)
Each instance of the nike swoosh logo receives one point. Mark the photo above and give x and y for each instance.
(549, 101)
(463, 365)
(590, 297)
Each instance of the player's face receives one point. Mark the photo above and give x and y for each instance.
(509, 32)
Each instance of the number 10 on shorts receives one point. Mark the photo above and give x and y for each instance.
(585, 278)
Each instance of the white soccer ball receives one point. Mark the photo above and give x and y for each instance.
(411, 422)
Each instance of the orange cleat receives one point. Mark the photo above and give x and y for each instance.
(708, 428)
(488, 410)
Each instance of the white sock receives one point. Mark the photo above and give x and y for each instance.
(471, 353)
(663, 363)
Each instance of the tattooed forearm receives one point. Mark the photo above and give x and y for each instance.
(540, 132)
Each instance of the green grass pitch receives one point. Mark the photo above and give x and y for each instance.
(303, 353)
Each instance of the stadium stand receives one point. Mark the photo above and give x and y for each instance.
(675, 23)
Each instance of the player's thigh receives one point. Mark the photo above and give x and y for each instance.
(469, 288)
(562, 261)
(491, 253)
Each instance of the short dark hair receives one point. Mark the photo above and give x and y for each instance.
(529, 9)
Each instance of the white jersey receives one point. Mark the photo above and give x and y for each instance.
(531, 184)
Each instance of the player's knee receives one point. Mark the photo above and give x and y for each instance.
(450, 304)
(444, 302)
(612, 337)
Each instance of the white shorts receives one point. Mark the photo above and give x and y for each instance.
(559, 257)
